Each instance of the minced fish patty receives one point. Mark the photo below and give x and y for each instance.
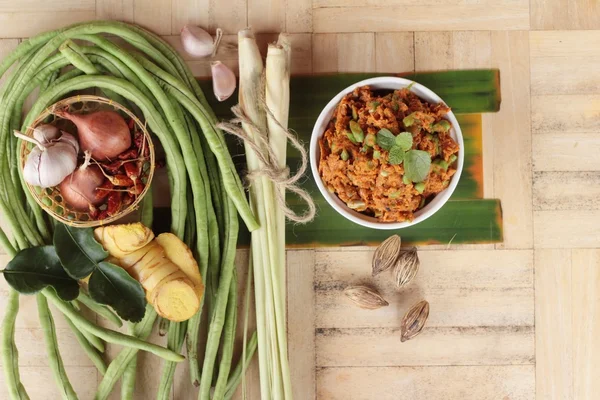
(359, 171)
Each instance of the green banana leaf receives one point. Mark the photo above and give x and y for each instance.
(466, 218)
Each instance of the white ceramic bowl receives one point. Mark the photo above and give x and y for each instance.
(391, 83)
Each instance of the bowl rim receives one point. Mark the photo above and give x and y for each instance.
(393, 83)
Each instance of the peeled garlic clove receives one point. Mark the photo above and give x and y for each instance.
(199, 43)
(45, 133)
(224, 81)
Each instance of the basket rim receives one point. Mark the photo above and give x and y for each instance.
(89, 223)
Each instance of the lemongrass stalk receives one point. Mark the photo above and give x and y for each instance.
(251, 90)
(278, 102)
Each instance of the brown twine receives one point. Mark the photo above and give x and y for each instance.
(279, 176)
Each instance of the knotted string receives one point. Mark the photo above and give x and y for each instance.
(270, 169)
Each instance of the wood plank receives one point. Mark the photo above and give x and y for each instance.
(349, 52)
(566, 152)
(154, 15)
(472, 49)
(378, 347)
(554, 324)
(586, 323)
(26, 6)
(301, 322)
(556, 14)
(227, 53)
(195, 12)
(564, 114)
(438, 43)
(40, 385)
(298, 16)
(393, 3)
(32, 347)
(548, 75)
(231, 15)
(564, 43)
(496, 287)
(567, 229)
(121, 10)
(446, 17)
(22, 25)
(394, 52)
(427, 383)
(566, 190)
(512, 135)
(266, 15)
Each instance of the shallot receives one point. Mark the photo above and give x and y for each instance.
(104, 134)
(79, 189)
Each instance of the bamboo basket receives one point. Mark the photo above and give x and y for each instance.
(50, 199)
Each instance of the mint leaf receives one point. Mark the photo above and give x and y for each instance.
(396, 155)
(36, 268)
(78, 250)
(113, 286)
(385, 139)
(404, 140)
(416, 165)
(357, 131)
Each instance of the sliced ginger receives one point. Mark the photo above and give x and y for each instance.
(164, 266)
(181, 255)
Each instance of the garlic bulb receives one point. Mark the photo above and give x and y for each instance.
(223, 79)
(199, 43)
(51, 161)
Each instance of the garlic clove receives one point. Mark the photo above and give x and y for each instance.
(199, 43)
(45, 133)
(224, 81)
(66, 137)
(56, 163)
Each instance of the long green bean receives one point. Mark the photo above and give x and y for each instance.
(228, 341)
(109, 335)
(241, 367)
(55, 359)
(88, 348)
(218, 317)
(100, 309)
(118, 366)
(10, 354)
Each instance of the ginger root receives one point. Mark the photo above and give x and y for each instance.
(164, 266)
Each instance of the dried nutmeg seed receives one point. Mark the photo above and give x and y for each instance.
(386, 254)
(365, 297)
(406, 267)
(414, 320)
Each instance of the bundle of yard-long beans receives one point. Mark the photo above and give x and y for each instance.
(207, 196)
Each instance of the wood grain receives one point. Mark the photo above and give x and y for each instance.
(565, 114)
(556, 14)
(567, 229)
(154, 15)
(566, 190)
(349, 52)
(266, 15)
(301, 322)
(121, 10)
(196, 12)
(426, 383)
(512, 138)
(554, 324)
(23, 25)
(421, 17)
(40, 385)
(497, 291)
(586, 323)
(298, 16)
(377, 347)
(394, 52)
(566, 152)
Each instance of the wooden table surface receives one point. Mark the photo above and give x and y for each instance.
(515, 321)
